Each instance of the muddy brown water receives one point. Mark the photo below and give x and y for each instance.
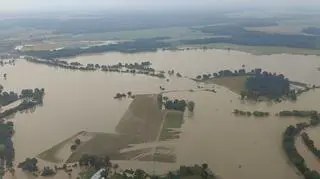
(234, 147)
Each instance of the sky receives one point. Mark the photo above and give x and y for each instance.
(17, 5)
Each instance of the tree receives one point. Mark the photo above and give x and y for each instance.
(77, 141)
(139, 174)
(115, 167)
(243, 94)
(191, 105)
(205, 166)
(73, 147)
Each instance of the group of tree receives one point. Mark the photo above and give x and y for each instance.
(35, 95)
(47, 171)
(179, 105)
(239, 35)
(6, 144)
(289, 147)
(271, 86)
(310, 144)
(76, 144)
(120, 96)
(30, 165)
(190, 106)
(95, 161)
(7, 98)
(105, 164)
(240, 72)
(26, 104)
(133, 68)
(248, 113)
(298, 113)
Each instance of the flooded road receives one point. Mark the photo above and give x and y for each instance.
(234, 147)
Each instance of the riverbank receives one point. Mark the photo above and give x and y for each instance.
(254, 50)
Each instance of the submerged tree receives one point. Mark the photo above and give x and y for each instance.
(191, 105)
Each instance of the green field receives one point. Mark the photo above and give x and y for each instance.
(256, 50)
(173, 120)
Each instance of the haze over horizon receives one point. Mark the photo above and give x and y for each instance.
(56, 5)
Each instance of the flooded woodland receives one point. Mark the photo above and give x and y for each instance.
(233, 147)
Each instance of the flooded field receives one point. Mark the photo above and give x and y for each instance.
(234, 147)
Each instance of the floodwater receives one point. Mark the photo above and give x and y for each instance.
(234, 147)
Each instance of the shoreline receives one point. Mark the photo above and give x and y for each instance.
(253, 50)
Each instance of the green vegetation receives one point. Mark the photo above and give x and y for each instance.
(133, 68)
(255, 50)
(173, 120)
(190, 106)
(74, 146)
(298, 113)
(6, 149)
(120, 96)
(257, 83)
(248, 113)
(47, 171)
(294, 156)
(110, 171)
(29, 165)
(288, 143)
(31, 100)
(237, 34)
(138, 45)
(179, 105)
(271, 86)
(7, 97)
(310, 144)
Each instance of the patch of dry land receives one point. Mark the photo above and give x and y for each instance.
(142, 135)
(173, 121)
(143, 118)
(234, 83)
(60, 152)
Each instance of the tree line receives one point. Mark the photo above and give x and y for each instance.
(310, 144)
(138, 45)
(288, 143)
(240, 36)
(178, 105)
(248, 113)
(298, 113)
(258, 83)
(110, 170)
(6, 145)
(133, 68)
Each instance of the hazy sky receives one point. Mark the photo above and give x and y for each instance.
(16, 5)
